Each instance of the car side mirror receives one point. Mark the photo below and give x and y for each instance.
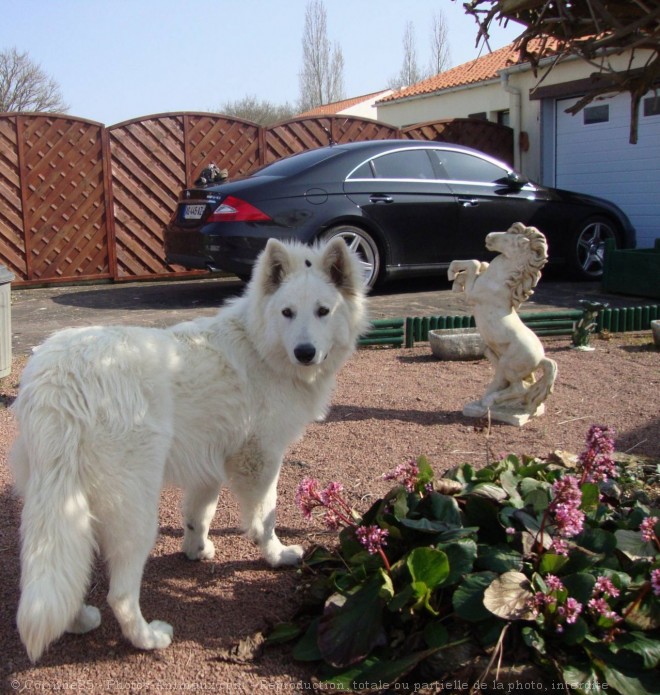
(515, 180)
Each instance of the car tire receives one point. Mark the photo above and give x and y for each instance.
(364, 245)
(587, 253)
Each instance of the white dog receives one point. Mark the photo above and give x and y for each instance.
(108, 414)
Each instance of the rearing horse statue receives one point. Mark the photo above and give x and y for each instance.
(495, 291)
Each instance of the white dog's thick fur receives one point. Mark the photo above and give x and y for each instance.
(108, 414)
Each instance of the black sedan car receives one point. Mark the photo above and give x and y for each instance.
(407, 207)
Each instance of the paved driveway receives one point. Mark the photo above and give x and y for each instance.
(38, 312)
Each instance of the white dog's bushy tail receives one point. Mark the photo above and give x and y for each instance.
(57, 549)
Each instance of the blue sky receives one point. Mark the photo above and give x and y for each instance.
(120, 59)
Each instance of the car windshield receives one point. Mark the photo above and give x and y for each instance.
(296, 163)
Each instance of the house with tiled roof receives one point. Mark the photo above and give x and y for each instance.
(362, 106)
(587, 152)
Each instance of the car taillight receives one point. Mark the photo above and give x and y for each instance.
(236, 210)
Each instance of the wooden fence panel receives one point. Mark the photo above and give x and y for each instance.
(80, 201)
(64, 209)
(232, 144)
(12, 239)
(496, 140)
(148, 172)
(303, 134)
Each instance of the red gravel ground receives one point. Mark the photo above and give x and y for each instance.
(390, 405)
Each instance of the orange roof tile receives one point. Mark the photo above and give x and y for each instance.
(337, 106)
(478, 70)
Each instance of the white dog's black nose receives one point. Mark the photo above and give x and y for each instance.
(304, 353)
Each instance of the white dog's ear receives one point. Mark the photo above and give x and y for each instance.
(341, 267)
(275, 265)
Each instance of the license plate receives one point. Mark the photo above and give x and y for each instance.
(193, 212)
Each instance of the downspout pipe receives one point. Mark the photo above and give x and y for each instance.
(516, 118)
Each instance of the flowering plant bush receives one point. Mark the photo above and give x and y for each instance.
(522, 556)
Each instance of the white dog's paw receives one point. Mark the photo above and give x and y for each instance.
(156, 635)
(88, 618)
(285, 555)
(195, 549)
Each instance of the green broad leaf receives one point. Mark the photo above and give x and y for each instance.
(456, 534)
(463, 474)
(436, 634)
(423, 595)
(352, 626)
(629, 683)
(534, 639)
(282, 633)
(575, 633)
(485, 515)
(509, 482)
(400, 504)
(538, 499)
(633, 546)
(307, 647)
(428, 565)
(441, 508)
(425, 525)
(485, 475)
(498, 558)
(551, 563)
(644, 615)
(461, 555)
(468, 599)
(425, 475)
(508, 597)
(401, 599)
(374, 673)
(490, 491)
(590, 497)
(641, 644)
(581, 678)
(579, 586)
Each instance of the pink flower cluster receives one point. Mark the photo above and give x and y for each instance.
(596, 461)
(655, 581)
(310, 496)
(566, 609)
(406, 474)
(565, 506)
(372, 538)
(603, 589)
(336, 513)
(647, 527)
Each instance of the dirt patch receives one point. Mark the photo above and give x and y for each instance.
(389, 406)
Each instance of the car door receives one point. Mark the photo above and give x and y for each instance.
(490, 197)
(400, 193)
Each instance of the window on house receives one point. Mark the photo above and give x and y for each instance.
(504, 118)
(596, 114)
(482, 115)
(652, 105)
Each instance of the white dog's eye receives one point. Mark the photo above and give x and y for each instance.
(322, 311)
(288, 313)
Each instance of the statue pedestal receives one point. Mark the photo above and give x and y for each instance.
(508, 415)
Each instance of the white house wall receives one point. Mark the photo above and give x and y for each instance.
(457, 103)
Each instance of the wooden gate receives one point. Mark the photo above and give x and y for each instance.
(60, 163)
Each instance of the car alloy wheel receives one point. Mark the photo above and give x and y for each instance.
(361, 243)
(589, 247)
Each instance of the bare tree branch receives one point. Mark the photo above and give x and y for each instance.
(24, 86)
(591, 30)
(322, 75)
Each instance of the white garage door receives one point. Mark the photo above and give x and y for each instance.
(593, 156)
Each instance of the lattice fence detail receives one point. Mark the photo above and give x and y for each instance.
(81, 201)
(66, 235)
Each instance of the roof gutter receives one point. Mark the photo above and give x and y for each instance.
(516, 119)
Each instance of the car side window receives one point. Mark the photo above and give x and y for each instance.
(363, 172)
(461, 166)
(406, 164)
